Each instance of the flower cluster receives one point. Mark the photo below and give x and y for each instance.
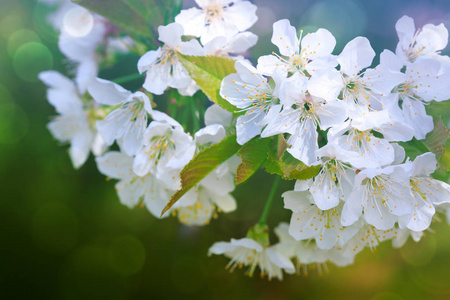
(334, 115)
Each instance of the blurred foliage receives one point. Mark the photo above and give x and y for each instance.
(64, 234)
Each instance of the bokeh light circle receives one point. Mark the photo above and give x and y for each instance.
(13, 123)
(78, 22)
(19, 38)
(126, 255)
(31, 59)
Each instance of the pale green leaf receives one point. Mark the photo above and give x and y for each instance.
(253, 154)
(284, 164)
(139, 18)
(435, 141)
(202, 164)
(208, 72)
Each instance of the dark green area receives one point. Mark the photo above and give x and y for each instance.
(64, 234)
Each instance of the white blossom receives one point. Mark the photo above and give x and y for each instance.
(249, 253)
(426, 42)
(253, 94)
(212, 195)
(163, 66)
(302, 114)
(217, 18)
(307, 254)
(356, 85)
(164, 151)
(299, 54)
(380, 195)
(426, 193)
(223, 46)
(132, 189)
(128, 121)
(75, 123)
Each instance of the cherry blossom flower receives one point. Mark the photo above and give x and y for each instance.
(250, 253)
(426, 193)
(217, 18)
(223, 46)
(307, 254)
(251, 92)
(132, 189)
(164, 151)
(299, 54)
(302, 114)
(355, 85)
(416, 45)
(128, 121)
(212, 195)
(381, 194)
(75, 123)
(163, 66)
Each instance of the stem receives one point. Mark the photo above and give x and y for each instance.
(265, 213)
(127, 78)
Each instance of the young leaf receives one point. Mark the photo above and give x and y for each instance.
(253, 154)
(284, 164)
(208, 72)
(202, 164)
(436, 139)
(139, 18)
(435, 142)
(444, 161)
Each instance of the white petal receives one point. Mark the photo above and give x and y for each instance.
(267, 64)
(318, 44)
(210, 134)
(226, 203)
(171, 34)
(425, 164)
(390, 61)
(247, 243)
(193, 21)
(304, 142)
(247, 128)
(302, 185)
(107, 92)
(221, 248)
(80, 147)
(296, 201)
(326, 84)
(115, 165)
(405, 30)
(357, 55)
(241, 14)
(148, 59)
(241, 42)
(285, 37)
(217, 115)
(416, 117)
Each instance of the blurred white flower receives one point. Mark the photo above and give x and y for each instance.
(217, 18)
(163, 66)
(75, 123)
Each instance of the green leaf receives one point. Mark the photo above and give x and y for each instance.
(253, 154)
(208, 72)
(139, 18)
(284, 164)
(435, 141)
(444, 161)
(202, 164)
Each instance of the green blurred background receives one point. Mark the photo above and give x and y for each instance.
(64, 234)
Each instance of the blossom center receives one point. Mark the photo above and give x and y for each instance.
(159, 149)
(213, 12)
